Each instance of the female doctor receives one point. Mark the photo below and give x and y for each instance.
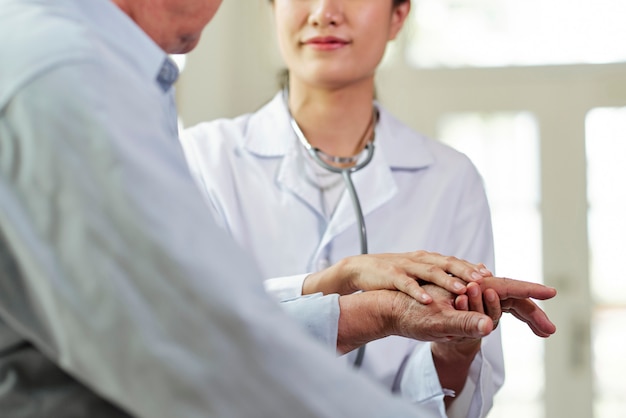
(263, 177)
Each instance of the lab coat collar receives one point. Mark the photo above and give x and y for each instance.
(270, 135)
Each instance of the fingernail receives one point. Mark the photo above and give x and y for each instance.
(490, 296)
(425, 298)
(484, 271)
(458, 286)
(481, 326)
(473, 290)
(476, 276)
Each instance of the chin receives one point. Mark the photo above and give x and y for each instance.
(183, 45)
(332, 83)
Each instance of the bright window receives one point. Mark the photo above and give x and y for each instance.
(606, 178)
(494, 33)
(504, 148)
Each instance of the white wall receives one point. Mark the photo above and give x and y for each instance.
(234, 68)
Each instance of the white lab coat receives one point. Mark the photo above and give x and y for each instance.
(415, 194)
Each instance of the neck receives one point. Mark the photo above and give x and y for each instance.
(339, 122)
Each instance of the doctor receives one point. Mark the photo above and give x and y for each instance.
(293, 215)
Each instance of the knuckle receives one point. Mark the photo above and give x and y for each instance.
(408, 283)
(450, 261)
(419, 254)
(395, 270)
(433, 269)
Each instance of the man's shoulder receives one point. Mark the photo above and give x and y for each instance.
(38, 37)
(39, 32)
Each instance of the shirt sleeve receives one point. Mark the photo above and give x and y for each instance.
(420, 382)
(318, 314)
(128, 284)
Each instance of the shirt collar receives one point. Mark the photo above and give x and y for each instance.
(269, 134)
(168, 74)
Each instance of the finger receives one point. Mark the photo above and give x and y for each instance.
(530, 324)
(517, 289)
(492, 306)
(435, 275)
(461, 303)
(462, 269)
(484, 270)
(527, 311)
(466, 324)
(411, 287)
(475, 297)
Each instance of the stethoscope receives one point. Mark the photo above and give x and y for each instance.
(323, 159)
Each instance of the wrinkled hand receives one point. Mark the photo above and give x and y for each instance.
(454, 357)
(487, 302)
(438, 321)
(368, 316)
(514, 297)
(396, 272)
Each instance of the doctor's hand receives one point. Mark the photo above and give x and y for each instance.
(399, 271)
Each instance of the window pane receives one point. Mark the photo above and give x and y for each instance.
(486, 33)
(606, 178)
(504, 147)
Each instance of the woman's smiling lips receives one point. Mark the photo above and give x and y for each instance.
(325, 43)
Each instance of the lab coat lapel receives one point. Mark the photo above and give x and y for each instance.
(374, 185)
(270, 136)
(290, 178)
(397, 148)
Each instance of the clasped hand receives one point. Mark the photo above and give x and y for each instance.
(426, 296)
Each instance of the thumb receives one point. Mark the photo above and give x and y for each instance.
(468, 324)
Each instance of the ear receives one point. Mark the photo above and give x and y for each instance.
(398, 16)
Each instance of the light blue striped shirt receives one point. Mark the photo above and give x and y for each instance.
(118, 292)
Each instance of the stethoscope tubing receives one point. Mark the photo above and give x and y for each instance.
(346, 174)
(347, 178)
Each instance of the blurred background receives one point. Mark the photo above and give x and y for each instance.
(534, 91)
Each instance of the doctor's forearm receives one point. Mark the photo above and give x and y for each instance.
(334, 279)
